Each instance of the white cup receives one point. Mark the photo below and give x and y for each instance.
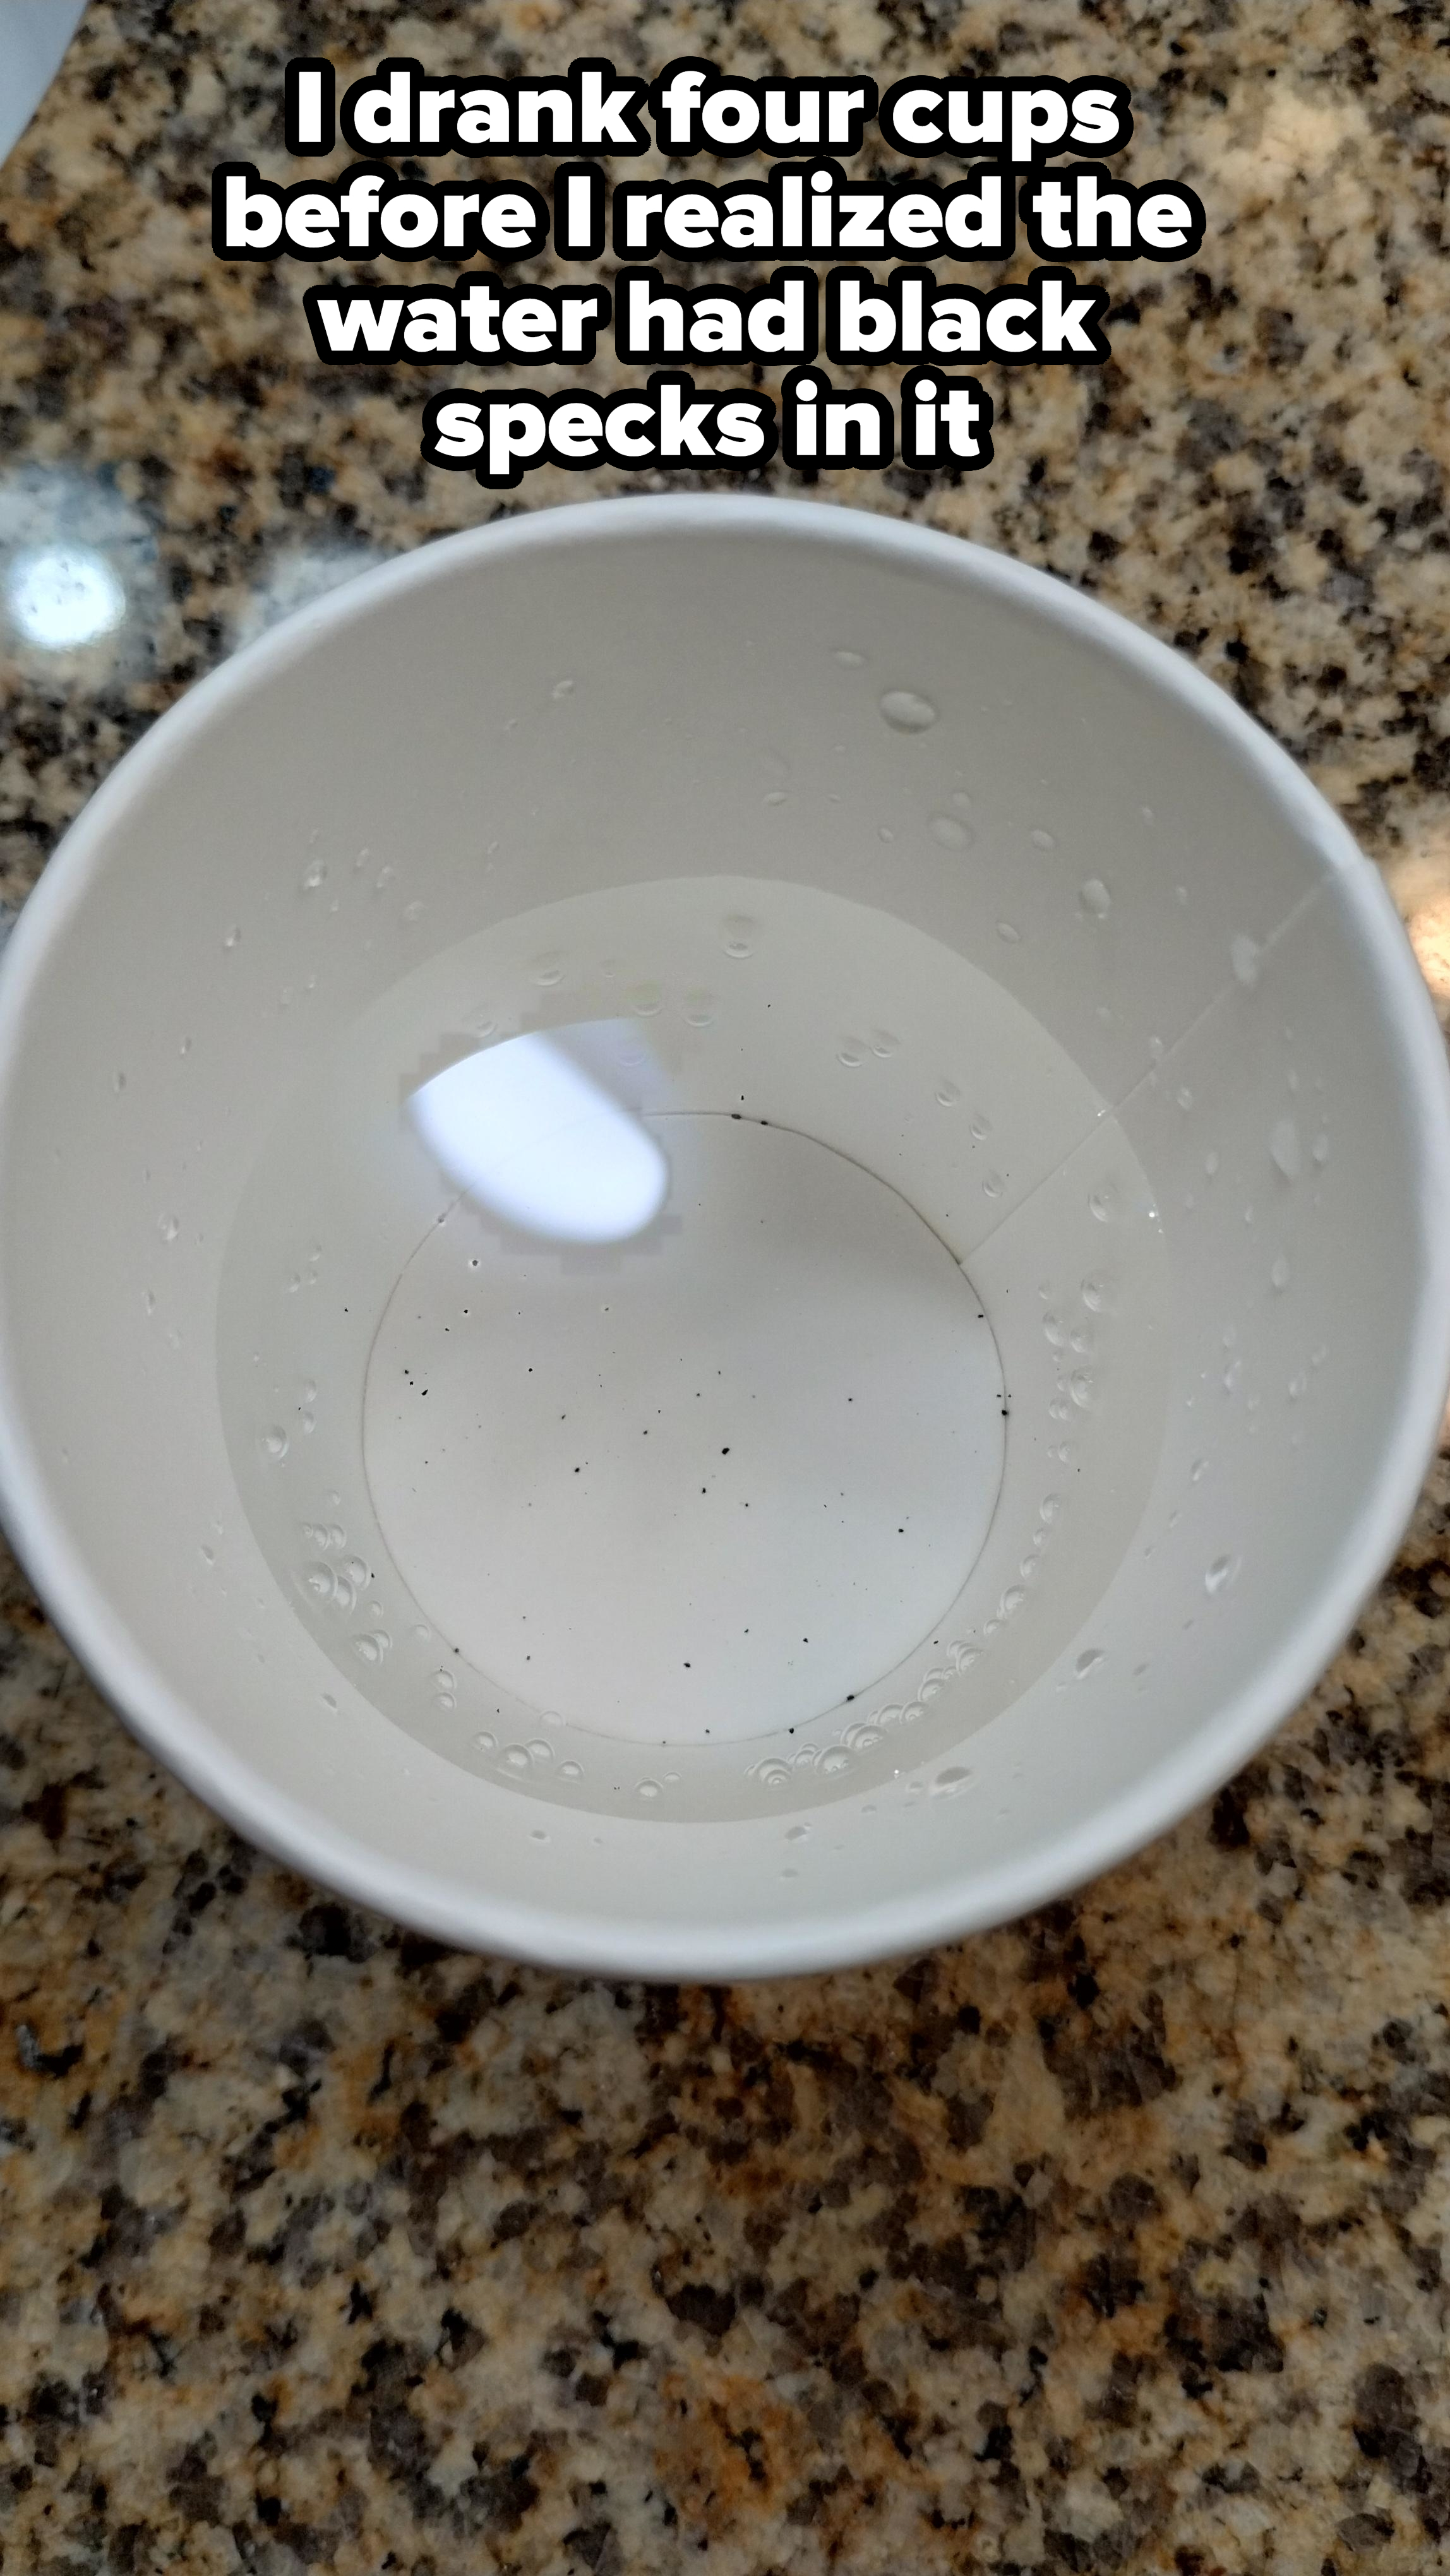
(794, 990)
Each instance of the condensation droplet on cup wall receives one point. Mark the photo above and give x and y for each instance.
(1285, 1149)
(906, 711)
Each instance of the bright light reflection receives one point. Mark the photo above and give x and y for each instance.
(532, 1135)
(63, 596)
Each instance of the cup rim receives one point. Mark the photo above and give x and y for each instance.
(470, 1917)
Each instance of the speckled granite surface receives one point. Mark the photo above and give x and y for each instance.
(1111, 2242)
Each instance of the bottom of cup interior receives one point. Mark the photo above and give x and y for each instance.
(802, 1460)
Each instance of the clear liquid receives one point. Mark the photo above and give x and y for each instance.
(735, 1469)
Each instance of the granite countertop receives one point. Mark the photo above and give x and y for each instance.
(1112, 2241)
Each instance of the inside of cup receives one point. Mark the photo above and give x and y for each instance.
(726, 1505)
(1003, 1022)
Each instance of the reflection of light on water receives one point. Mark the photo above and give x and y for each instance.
(60, 597)
(533, 1135)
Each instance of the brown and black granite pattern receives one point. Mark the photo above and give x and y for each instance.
(1111, 2242)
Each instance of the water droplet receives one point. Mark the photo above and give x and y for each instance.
(948, 1096)
(860, 1738)
(1185, 1098)
(1198, 1470)
(274, 1444)
(548, 971)
(850, 1051)
(645, 1001)
(208, 1554)
(884, 1044)
(1012, 1600)
(1299, 1384)
(1088, 1661)
(1054, 1331)
(1081, 1341)
(540, 1752)
(1221, 1572)
(516, 1756)
(373, 1646)
(570, 1771)
(700, 1010)
(947, 1783)
(168, 1227)
(1285, 1149)
(231, 938)
(797, 1833)
(951, 834)
(1008, 930)
(483, 1742)
(648, 1789)
(848, 660)
(1232, 1375)
(832, 1762)
(1095, 898)
(884, 832)
(1080, 1387)
(1320, 1149)
(738, 935)
(993, 1186)
(1244, 954)
(1042, 840)
(907, 712)
(1094, 1293)
(1103, 1203)
(412, 912)
(314, 876)
(1279, 1274)
(776, 796)
(562, 689)
(981, 1129)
